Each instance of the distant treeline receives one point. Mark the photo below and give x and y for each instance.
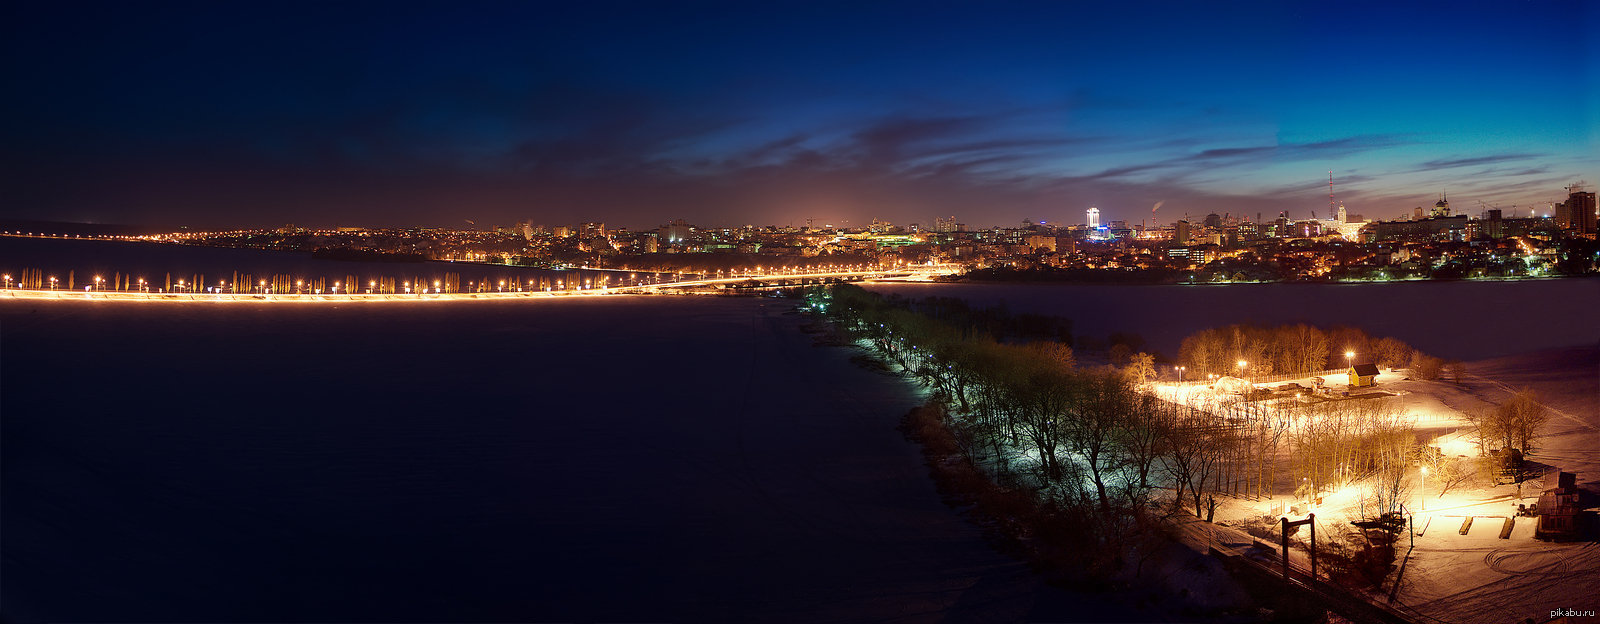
(1301, 348)
(1298, 348)
(362, 255)
(710, 263)
(1049, 274)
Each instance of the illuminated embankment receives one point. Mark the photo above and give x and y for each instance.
(113, 295)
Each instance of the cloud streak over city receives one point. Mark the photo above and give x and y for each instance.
(722, 113)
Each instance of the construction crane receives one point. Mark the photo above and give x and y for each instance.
(1488, 206)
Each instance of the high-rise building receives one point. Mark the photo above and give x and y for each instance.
(1213, 220)
(1094, 218)
(944, 225)
(675, 232)
(1342, 215)
(1494, 225)
(1180, 232)
(1578, 212)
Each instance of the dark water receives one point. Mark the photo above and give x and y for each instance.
(1466, 320)
(616, 458)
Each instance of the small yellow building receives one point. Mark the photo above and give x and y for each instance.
(1363, 375)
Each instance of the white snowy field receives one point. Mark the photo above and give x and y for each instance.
(1479, 578)
(1476, 577)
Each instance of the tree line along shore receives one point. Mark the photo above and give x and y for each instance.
(1083, 470)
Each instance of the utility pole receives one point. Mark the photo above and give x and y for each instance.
(1311, 519)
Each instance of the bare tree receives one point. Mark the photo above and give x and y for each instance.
(1523, 416)
(1141, 368)
(1196, 444)
(1039, 400)
(1119, 354)
(1140, 435)
(1057, 353)
(1306, 349)
(1100, 402)
(1392, 353)
(1514, 424)
(1198, 353)
(1456, 370)
(1445, 473)
(1425, 366)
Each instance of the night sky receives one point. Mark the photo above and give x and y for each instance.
(383, 114)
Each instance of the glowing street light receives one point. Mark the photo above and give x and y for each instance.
(1424, 488)
(1180, 374)
(1242, 364)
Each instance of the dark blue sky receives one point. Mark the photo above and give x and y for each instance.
(223, 114)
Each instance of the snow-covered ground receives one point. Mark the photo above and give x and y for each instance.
(1476, 577)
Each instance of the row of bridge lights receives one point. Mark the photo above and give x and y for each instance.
(299, 285)
(99, 283)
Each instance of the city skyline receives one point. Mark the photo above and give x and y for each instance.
(635, 114)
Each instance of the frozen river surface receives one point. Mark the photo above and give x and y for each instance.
(1465, 320)
(618, 458)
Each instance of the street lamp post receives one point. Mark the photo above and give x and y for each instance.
(1424, 488)
(1242, 364)
(1180, 374)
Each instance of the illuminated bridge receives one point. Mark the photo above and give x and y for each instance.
(703, 285)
